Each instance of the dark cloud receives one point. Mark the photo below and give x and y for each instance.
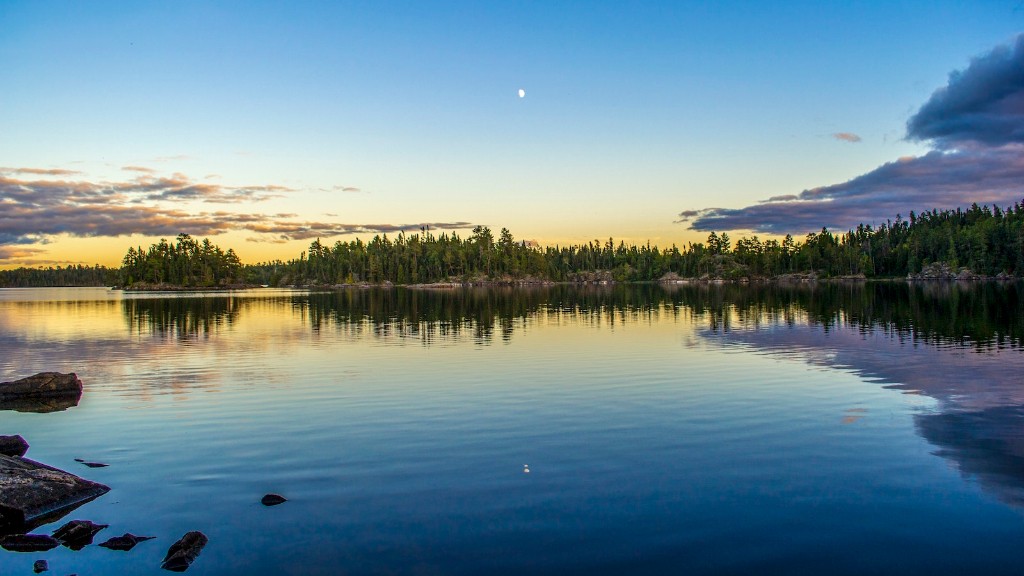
(976, 125)
(935, 180)
(31, 211)
(982, 104)
(846, 137)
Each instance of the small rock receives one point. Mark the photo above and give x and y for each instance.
(182, 553)
(126, 542)
(273, 500)
(91, 464)
(28, 543)
(40, 566)
(13, 446)
(77, 534)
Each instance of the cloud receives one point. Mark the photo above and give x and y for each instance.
(975, 125)
(138, 169)
(39, 171)
(309, 230)
(846, 137)
(350, 189)
(34, 210)
(983, 104)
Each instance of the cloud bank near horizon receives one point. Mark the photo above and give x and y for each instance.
(975, 126)
(34, 209)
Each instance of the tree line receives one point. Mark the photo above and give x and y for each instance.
(986, 240)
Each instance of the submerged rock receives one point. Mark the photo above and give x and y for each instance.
(44, 392)
(32, 494)
(40, 566)
(77, 534)
(182, 553)
(273, 500)
(13, 446)
(91, 464)
(126, 542)
(28, 543)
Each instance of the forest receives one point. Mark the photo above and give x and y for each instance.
(988, 241)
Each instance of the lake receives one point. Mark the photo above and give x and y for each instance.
(630, 429)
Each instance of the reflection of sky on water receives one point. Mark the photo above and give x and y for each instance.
(977, 421)
(398, 423)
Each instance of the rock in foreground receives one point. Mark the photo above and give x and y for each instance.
(13, 446)
(183, 552)
(32, 493)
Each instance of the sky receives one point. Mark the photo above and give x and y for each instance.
(266, 125)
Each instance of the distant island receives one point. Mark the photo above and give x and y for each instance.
(980, 242)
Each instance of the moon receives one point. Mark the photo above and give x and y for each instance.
(522, 93)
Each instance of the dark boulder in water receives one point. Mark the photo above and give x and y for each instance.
(13, 446)
(32, 494)
(126, 542)
(182, 553)
(43, 392)
(40, 566)
(77, 534)
(28, 543)
(273, 500)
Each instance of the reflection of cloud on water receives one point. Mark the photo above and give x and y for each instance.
(978, 420)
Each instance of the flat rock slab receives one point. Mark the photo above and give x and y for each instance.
(44, 392)
(32, 493)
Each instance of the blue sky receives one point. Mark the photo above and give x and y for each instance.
(265, 125)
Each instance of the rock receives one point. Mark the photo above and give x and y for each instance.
(273, 500)
(13, 446)
(91, 464)
(43, 384)
(182, 553)
(125, 542)
(28, 543)
(40, 566)
(44, 392)
(77, 534)
(32, 494)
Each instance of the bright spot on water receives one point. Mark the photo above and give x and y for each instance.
(522, 93)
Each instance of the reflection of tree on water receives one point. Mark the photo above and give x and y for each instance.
(957, 343)
(431, 315)
(180, 318)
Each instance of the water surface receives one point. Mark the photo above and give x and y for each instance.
(845, 429)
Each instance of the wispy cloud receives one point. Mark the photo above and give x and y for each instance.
(975, 125)
(39, 171)
(33, 210)
(846, 137)
(142, 169)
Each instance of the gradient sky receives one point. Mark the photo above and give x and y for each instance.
(266, 124)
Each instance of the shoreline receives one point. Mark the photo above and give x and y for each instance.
(782, 279)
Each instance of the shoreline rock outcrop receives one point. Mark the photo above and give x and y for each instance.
(32, 494)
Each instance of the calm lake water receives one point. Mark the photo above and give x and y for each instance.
(829, 429)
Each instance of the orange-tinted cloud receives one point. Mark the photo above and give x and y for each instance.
(846, 137)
